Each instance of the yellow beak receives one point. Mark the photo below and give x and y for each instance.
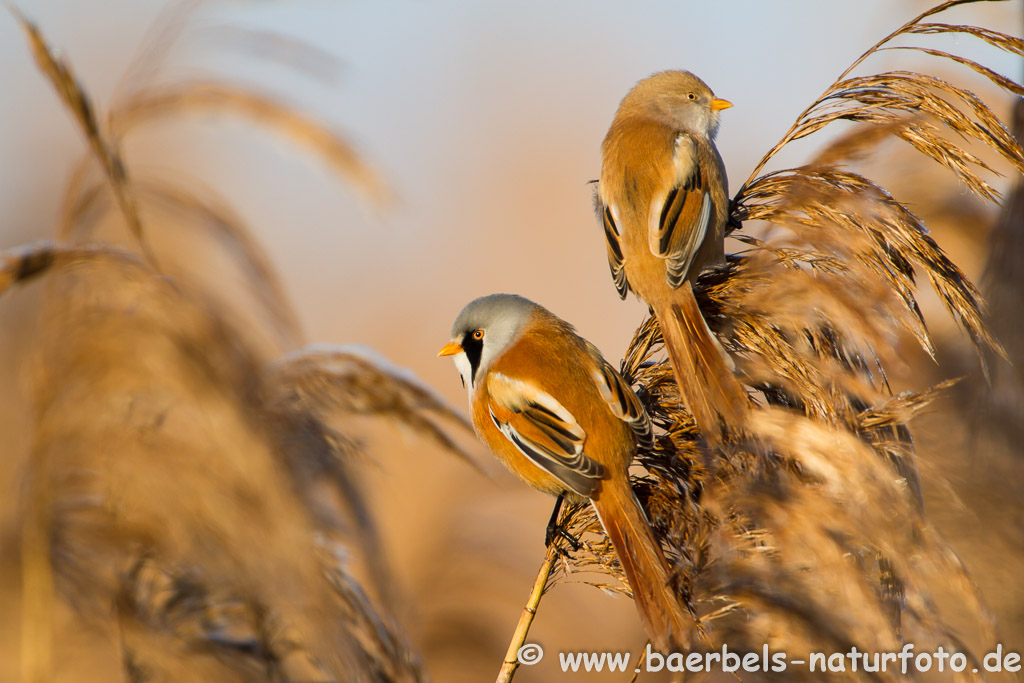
(450, 349)
(718, 105)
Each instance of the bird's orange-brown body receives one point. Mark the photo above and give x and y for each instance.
(562, 419)
(642, 153)
(663, 203)
(539, 354)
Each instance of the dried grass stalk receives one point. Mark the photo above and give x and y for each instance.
(807, 529)
(186, 477)
(77, 102)
(299, 128)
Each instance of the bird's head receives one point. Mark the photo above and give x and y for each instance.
(678, 99)
(483, 330)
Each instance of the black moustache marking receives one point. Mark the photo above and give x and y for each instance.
(474, 349)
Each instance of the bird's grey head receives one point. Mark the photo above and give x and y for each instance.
(678, 99)
(483, 330)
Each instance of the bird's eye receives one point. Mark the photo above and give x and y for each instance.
(478, 334)
(691, 96)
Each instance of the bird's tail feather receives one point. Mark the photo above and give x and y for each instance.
(661, 612)
(706, 382)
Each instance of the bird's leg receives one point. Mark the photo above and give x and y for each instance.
(556, 530)
(552, 530)
(737, 214)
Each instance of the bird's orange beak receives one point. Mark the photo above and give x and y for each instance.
(718, 104)
(450, 349)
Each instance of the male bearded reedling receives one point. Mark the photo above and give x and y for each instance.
(562, 419)
(663, 202)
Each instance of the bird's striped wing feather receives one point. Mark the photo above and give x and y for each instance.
(679, 219)
(543, 430)
(623, 403)
(615, 260)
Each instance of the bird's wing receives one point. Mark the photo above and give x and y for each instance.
(623, 403)
(543, 430)
(611, 237)
(679, 218)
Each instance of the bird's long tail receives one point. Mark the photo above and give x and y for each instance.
(707, 384)
(661, 613)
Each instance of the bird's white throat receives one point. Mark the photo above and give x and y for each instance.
(465, 370)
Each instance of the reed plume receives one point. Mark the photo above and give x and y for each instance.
(191, 489)
(807, 528)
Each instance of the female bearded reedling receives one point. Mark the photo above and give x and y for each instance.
(562, 419)
(663, 203)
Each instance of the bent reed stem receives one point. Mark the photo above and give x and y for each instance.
(511, 663)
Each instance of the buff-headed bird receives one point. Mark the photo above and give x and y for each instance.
(663, 202)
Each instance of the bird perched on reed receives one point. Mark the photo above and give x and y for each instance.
(662, 199)
(563, 420)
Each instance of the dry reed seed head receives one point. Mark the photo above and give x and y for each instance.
(895, 96)
(167, 330)
(75, 99)
(196, 512)
(348, 380)
(897, 238)
(201, 207)
(170, 475)
(813, 312)
(148, 106)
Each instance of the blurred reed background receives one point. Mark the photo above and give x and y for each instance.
(483, 123)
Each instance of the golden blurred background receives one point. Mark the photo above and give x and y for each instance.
(485, 121)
